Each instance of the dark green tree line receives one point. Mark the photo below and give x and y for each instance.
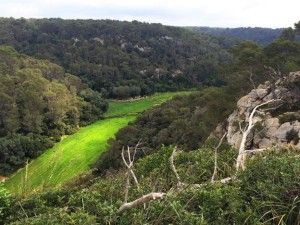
(120, 59)
(39, 104)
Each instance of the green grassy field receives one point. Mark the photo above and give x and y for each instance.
(77, 152)
(71, 156)
(136, 106)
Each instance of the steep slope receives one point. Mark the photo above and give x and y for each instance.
(278, 125)
(39, 104)
(120, 59)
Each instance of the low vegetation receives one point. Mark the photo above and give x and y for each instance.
(185, 121)
(76, 153)
(267, 191)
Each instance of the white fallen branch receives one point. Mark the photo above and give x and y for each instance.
(140, 201)
(246, 131)
(226, 180)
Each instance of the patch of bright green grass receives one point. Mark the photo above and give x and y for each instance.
(136, 106)
(66, 159)
(77, 152)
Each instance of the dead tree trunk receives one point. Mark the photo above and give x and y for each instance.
(246, 131)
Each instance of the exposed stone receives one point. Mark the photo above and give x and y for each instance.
(261, 93)
(218, 132)
(253, 95)
(271, 126)
(265, 143)
(281, 132)
(262, 86)
(270, 132)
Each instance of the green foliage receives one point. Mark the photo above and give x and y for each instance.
(258, 35)
(119, 59)
(70, 157)
(252, 63)
(4, 202)
(39, 104)
(272, 186)
(283, 55)
(185, 121)
(288, 117)
(16, 149)
(266, 192)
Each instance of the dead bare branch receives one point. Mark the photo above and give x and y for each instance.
(129, 165)
(241, 155)
(140, 201)
(216, 158)
(173, 167)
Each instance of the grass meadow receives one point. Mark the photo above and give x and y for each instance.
(76, 153)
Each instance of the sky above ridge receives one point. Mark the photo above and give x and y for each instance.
(213, 13)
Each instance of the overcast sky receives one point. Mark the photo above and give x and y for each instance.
(214, 13)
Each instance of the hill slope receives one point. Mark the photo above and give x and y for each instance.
(119, 59)
(76, 153)
(258, 35)
(39, 103)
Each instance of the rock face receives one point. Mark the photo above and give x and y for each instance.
(276, 124)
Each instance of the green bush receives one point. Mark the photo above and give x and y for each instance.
(272, 184)
(4, 202)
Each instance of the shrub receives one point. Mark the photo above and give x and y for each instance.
(4, 202)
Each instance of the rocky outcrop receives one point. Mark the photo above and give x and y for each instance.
(279, 125)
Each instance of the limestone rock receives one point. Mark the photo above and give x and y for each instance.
(261, 93)
(281, 132)
(268, 131)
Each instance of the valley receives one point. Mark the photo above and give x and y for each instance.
(78, 152)
(218, 143)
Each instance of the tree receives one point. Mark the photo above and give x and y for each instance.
(288, 35)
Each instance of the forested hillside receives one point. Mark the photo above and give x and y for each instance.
(188, 121)
(39, 104)
(258, 35)
(120, 59)
(162, 168)
(185, 121)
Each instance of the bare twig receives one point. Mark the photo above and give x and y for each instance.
(129, 165)
(216, 159)
(140, 201)
(126, 186)
(23, 209)
(173, 167)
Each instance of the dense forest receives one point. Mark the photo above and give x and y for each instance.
(258, 35)
(109, 59)
(188, 121)
(39, 104)
(42, 101)
(120, 59)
